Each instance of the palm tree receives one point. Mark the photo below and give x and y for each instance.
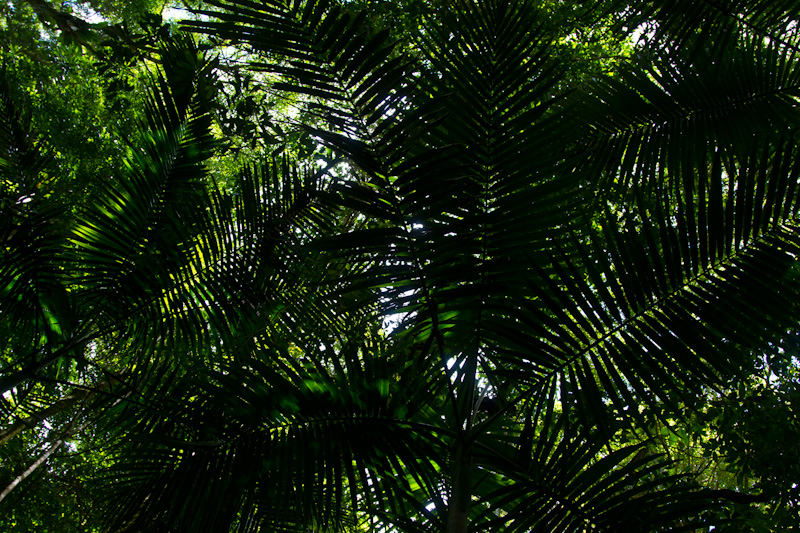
(559, 262)
(90, 304)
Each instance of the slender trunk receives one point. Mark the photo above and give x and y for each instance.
(31, 421)
(62, 404)
(458, 506)
(31, 469)
(42, 458)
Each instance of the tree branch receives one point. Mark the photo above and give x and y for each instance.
(30, 421)
(62, 404)
(66, 22)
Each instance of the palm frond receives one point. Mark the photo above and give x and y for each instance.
(688, 227)
(710, 23)
(579, 256)
(33, 230)
(135, 238)
(354, 81)
(575, 491)
(289, 444)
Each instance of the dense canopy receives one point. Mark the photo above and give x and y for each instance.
(329, 265)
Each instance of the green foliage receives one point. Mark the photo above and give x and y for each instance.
(60, 497)
(482, 266)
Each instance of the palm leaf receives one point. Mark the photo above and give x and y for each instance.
(34, 302)
(133, 240)
(578, 254)
(689, 226)
(712, 23)
(291, 444)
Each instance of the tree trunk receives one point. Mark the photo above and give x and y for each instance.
(31, 421)
(458, 506)
(77, 395)
(42, 458)
(31, 469)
